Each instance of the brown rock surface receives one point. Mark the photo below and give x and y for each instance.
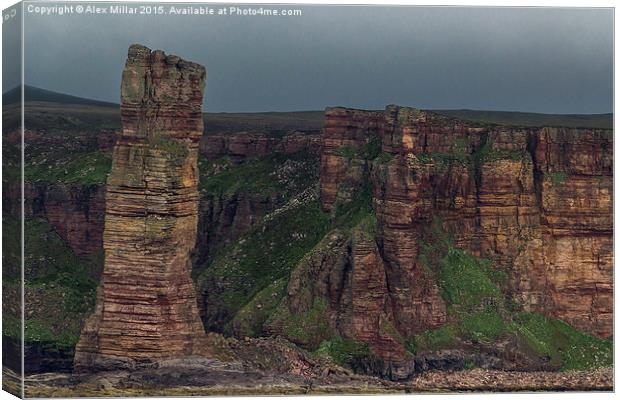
(240, 145)
(345, 130)
(106, 139)
(217, 378)
(536, 202)
(237, 145)
(146, 307)
(76, 212)
(553, 240)
(481, 380)
(343, 280)
(576, 173)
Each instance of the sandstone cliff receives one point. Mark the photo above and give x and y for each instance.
(532, 204)
(238, 146)
(511, 194)
(146, 307)
(415, 208)
(345, 132)
(76, 211)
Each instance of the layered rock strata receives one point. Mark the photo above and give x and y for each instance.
(146, 306)
(478, 183)
(575, 170)
(536, 202)
(530, 200)
(345, 131)
(76, 212)
(343, 280)
(238, 146)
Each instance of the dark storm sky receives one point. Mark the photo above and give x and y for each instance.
(514, 59)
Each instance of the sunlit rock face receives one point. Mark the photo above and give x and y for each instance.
(535, 202)
(146, 305)
(576, 197)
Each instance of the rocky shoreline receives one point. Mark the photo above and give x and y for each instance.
(227, 379)
(480, 380)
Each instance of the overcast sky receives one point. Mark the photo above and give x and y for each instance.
(514, 59)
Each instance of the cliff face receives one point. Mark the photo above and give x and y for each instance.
(535, 203)
(75, 211)
(479, 183)
(146, 307)
(345, 131)
(359, 277)
(238, 146)
(341, 290)
(576, 196)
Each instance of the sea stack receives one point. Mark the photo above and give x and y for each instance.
(146, 304)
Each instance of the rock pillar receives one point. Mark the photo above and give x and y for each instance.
(146, 304)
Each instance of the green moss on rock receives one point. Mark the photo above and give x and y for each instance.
(347, 152)
(471, 289)
(250, 319)
(465, 280)
(307, 328)
(384, 158)
(561, 343)
(345, 352)
(556, 178)
(435, 339)
(171, 147)
(483, 326)
(83, 168)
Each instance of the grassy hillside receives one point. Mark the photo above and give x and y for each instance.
(59, 286)
(32, 93)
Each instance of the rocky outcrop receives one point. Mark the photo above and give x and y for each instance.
(346, 131)
(575, 171)
(529, 200)
(340, 289)
(238, 146)
(76, 212)
(146, 305)
(223, 219)
(512, 195)
(297, 141)
(479, 182)
(536, 202)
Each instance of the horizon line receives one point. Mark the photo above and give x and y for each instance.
(111, 103)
